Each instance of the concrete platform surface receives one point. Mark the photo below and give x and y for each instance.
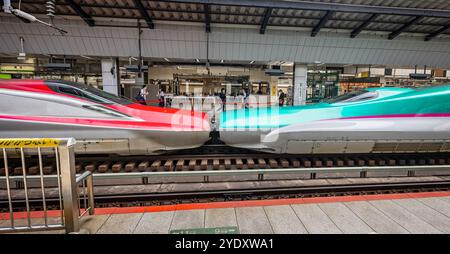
(397, 216)
(415, 213)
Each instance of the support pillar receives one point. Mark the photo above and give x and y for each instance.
(110, 76)
(300, 78)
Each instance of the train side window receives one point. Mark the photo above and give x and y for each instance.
(363, 97)
(69, 90)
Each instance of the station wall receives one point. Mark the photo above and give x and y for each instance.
(228, 43)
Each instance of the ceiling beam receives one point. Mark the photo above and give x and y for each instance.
(404, 27)
(437, 32)
(358, 30)
(265, 20)
(78, 10)
(321, 23)
(319, 6)
(138, 4)
(207, 18)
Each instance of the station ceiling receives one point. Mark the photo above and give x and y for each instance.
(425, 18)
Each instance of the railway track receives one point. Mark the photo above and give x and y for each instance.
(219, 157)
(238, 194)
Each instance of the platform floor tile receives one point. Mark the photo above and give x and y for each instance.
(91, 224)
(439, 204)
(188, 219)
(345, 219)
(426, 213)
(403, 217)
(222, 217)
(284, 220)
(253, 220)
(120, 224)
(315, 220)
(155, 223)
(373, 217)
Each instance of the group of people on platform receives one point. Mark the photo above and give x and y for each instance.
(142, 95)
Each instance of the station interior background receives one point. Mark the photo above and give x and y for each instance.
(178, 77)
(204, 72)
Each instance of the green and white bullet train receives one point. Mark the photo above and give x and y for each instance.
(374, 120)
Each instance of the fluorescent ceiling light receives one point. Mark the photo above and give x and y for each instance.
(251, 62)
(197, 60)
(86, 57)
(221, 61)
(167, 60)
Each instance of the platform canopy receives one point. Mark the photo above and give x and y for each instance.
(425, 18)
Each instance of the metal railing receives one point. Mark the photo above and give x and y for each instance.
(59, 153)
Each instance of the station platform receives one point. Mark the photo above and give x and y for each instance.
(418, 213)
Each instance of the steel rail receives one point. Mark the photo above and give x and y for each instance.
(247, 172)
(255, 193)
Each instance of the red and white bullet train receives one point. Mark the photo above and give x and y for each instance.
(99, 121)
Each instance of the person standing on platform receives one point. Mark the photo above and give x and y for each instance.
(161, 97)
(223, 98)
(141, 97)
(281, 98)
(245, 95)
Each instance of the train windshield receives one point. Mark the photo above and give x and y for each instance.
(88, 92)
(355, 96)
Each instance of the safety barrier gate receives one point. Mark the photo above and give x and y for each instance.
(15, 180)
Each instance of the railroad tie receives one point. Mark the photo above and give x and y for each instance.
(227, 164)
(391, 162)
(48, 170)
(117, 167)
(370, 162)
(295, 163)
(381, 162)
(2, 171)
(239, 164)
(103, 167)
(130, 166)
(143, 166)
(360, 162)
(284, 163)
(250, 163)
(339, 162)
(273, 163)
(317, 162)
(306, 163)
(422, 162)
(216, 164)
(328, 162)
(204, 164)
(262, 163)
(155, 165)
(78, 168)
(90, 167)
(431, 161)
(18, 171)
(33, 170)
(441, 161)
(349, 162)
(411, 162)
(402, 162)
(180, 165)
(168, 165)
(192, 164)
